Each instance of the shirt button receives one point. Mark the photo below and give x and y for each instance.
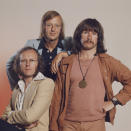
(50, 57)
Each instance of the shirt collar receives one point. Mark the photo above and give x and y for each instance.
(39, 76)
(42, 44)
(21, 83)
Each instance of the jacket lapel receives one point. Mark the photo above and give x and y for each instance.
(104, 71)
(30, 94)
(67, 65)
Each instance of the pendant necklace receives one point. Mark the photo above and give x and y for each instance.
(83, 83)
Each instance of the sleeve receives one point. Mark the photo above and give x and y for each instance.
(7, 112)
(56, 102)
(12, 76)
(122, 74)
(40, 105)
(68, 45)
(30, 43)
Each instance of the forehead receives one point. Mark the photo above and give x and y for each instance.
(55, 19)
(87, 27)
(28, 54)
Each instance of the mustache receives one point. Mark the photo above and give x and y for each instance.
(88, 40)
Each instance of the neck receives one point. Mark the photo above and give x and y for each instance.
(87, 54)
(50, 45)
(28, 80)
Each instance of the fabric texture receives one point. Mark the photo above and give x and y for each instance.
(37, 44)
(35, 105)
(98, 125)
(111, 70)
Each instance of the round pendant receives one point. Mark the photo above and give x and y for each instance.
(82, 84)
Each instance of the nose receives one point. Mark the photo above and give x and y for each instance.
(53, 28)
(89, 35)
(27, 62)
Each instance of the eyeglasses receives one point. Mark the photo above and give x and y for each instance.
(51, 26)
(31, 61)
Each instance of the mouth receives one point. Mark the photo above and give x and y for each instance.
(89, 41)
(52, 34)
(27, 69)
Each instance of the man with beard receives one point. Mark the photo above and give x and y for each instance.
(51, 44)
(83, 98)
(31, 97)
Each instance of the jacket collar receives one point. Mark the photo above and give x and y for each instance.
(69, 59)
(103, 55)
(38, 77)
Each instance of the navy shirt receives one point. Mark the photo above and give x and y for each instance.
(48, 56)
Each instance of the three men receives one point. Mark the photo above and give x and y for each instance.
(31, 97)
(83, 98)
(50, 43)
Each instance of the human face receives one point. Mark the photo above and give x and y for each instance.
(53, 28)
(28, 63)
(89, 40)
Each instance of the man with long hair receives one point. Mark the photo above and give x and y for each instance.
(83, 97)
(31, 97)
(50, 43)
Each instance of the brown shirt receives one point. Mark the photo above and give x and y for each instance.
(85, 104)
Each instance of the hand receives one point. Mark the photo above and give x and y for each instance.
(32, 125)
(56, 61)
(108, 105)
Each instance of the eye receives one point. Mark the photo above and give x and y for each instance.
(48, 25)
(57, 25)
(22, 61)
(85, 32)
(33, 60)
(94, 33)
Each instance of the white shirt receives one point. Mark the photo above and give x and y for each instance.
(24, 90)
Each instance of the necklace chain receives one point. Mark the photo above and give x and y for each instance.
(87, 67)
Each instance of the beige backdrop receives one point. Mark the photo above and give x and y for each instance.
(20, 21)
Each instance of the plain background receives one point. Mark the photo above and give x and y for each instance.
(20, 21)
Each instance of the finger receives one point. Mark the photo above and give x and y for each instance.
(53, 68)
(56, 66)
(104, 111)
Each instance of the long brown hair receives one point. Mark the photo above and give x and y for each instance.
(85, 25)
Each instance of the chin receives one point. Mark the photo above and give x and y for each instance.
(29, 74)
(53, 39)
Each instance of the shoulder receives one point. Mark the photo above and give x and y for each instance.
(46, 83)
(112, 62)
(68, 59)
(107, 57)
(32, 42)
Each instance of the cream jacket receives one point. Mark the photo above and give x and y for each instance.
(35, 105)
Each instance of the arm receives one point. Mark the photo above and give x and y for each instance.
(6, 113)
(55, 104)
(12, 76)
(56, 61)
(67, 44)
(121, 74)
(38, 108)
